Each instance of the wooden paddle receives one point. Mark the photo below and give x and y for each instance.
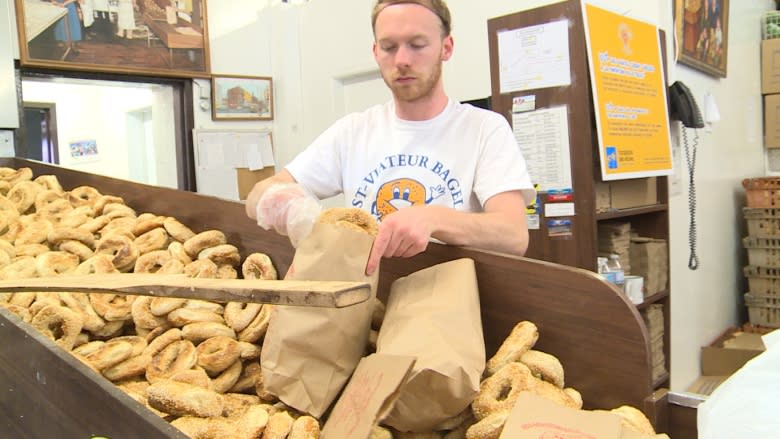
(329, 294)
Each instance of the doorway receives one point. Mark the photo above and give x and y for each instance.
(126, 127)
(40, 133)
(140, 158)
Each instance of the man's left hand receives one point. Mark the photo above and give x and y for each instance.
(404, 233)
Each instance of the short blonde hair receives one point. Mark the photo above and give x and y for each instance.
(438, 7)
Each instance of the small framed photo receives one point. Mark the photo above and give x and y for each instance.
(241, 97)
(84, 150)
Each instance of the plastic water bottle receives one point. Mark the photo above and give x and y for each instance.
(613, 264)
(603, 266)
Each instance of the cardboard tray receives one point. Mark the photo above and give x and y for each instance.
(597, 334)
(719, 360)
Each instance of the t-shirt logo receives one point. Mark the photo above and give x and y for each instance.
(423, 180)
(400, 193)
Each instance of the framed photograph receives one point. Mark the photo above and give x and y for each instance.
(241, 98)
(152, 37)
(702, 29)
(84, 150)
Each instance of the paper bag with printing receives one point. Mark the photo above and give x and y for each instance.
(434, 315)
(309, 353)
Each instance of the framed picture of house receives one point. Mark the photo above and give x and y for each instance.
(148, 37)
(702, 29)
(236, 97)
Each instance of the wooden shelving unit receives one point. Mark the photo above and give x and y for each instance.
(581, 249)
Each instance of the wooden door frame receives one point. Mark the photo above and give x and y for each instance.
(51, 122)
(183, 113)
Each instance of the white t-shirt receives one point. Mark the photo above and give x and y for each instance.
(381, 163)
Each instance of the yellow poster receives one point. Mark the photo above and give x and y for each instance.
(629, 95)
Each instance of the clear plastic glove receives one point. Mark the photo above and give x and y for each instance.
(289, 210)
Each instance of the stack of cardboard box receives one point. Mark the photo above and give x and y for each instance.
(614, 238)
(724, 356)
(650, 259)
(654, 320)
(770, 88)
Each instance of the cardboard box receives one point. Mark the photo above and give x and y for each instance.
(770, 66)
(625, 194)
(729, 352)
(246, 179)
(635, 192)
(772, 121)
(705, 385)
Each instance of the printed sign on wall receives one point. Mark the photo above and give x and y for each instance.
(629, 95)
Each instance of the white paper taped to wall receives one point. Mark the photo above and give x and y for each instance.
(234, 149)
(266, 151)
(711, 111)
(220, 152)
(253, 158)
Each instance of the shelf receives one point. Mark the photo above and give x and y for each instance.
(657, 297)
(622, 213)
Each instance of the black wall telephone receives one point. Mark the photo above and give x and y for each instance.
(683, 107)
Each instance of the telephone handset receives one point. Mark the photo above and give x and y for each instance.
(683, 107)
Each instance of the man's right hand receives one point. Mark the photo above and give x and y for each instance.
(259, 189)
(283, 206)
(277, 204)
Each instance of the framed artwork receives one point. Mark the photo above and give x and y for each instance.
(702, 29)
(241, 97)
(148, 37)
(84, 150)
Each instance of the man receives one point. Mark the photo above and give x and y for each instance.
(425, 166)
(102, 21)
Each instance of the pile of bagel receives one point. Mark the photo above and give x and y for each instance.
(515, 368)
(196, 363)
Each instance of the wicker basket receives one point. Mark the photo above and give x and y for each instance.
(763, 250)
(763, 310)
(762, 222)
(764, 281)
(762, 192)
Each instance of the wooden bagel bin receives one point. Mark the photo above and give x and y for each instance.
(597, 334)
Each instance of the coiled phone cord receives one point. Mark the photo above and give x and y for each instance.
(690, 158)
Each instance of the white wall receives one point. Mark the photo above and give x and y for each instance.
(9, 115)
(706, 301)
(239, 44)
(240, 36)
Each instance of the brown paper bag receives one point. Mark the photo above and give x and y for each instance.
(434, 315)
(368, 396)
(535, 417)
(309, 353)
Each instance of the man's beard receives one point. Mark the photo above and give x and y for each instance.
(422, 88)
